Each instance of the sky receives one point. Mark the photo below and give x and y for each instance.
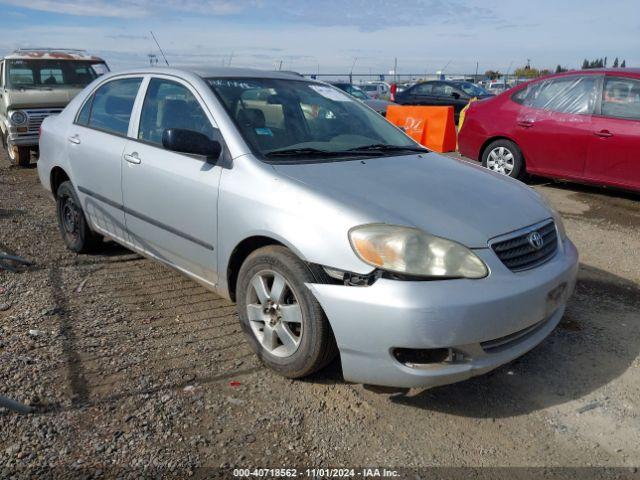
(333, 36)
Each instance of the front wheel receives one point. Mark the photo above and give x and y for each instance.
(19, 156)
(504, 157)
(285, 324)
(73, 225)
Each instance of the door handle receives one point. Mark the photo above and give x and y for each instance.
(74, 139)
(132, 158)
(603, 134)
(525, 123)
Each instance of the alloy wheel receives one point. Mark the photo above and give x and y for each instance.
(501, 160)
(274, 314)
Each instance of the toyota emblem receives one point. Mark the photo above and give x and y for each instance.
(536, 240)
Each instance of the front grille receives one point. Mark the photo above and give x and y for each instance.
(517, 252)
(36, 117)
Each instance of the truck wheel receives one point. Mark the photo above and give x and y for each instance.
(285, 324)
(503, 156)
(75, 231)
(20, 156)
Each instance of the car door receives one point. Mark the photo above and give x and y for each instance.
(95, 142)
(171, 198)
(614, 154)
(554, 125)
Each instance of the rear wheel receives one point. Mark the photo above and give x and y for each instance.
(504, 156)
(19, 156)
(284, 322)
(73, 225)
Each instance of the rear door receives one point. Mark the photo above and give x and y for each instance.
(554, 125)
(614, 154)
(95, 142)
(170, 198)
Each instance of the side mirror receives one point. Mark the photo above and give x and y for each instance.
(455, 95)
(190, 141)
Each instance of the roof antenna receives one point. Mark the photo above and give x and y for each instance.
(159, 48)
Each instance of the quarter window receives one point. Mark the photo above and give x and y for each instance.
(167, 105)
(111, 106)
(576, 95)
(83, 116)
(621, 98)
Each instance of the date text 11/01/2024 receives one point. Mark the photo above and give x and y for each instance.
(315, 472)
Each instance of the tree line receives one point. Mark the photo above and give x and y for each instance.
(602, 63)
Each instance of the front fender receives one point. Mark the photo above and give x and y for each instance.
(254, 200)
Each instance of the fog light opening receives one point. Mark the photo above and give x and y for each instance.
(417, 357)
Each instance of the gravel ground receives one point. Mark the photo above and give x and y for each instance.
(130, 366)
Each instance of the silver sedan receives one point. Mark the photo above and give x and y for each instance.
(333, 232)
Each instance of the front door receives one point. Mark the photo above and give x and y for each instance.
(170, 198)
(614, 154)
(554, 126)
(95, 144)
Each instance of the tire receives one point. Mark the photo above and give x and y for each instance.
(510, 162)
(19, 156)
(73, 225)
(260, 319)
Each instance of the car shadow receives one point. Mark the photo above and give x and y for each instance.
(583, 188)
(594, 344)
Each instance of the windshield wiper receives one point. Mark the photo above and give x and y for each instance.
(382, 147)
(312, 152)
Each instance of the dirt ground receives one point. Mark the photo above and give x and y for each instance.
(130, 365)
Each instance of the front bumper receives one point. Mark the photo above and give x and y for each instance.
(23, 139)
(370, 322)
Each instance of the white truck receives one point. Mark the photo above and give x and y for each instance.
(36, 83)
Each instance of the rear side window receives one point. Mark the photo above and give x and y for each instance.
(576, 95)
(422, 89)
(621, 98)
(110, 107)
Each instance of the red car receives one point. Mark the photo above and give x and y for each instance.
(580, 125)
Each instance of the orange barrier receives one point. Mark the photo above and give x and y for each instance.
(432, 127)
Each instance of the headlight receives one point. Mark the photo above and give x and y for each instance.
(18, 117)
(559, 224)
(410, 251)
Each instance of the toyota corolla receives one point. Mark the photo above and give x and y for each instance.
(333, 232)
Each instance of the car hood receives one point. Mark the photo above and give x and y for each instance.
(438, 194)
(40, 97)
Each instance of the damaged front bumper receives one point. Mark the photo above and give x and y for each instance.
(466, 327)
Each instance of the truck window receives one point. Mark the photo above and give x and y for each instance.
(51, 73)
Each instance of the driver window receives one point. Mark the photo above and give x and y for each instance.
(169, 104)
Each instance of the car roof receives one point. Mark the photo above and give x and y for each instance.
(207, 72)
(220, 72)
(51, 54)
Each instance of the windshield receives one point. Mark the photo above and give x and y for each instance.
(353, 90)
(471, 89)
(52, 73)
(307, 120)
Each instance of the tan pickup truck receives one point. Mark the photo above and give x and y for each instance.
(34, 84)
